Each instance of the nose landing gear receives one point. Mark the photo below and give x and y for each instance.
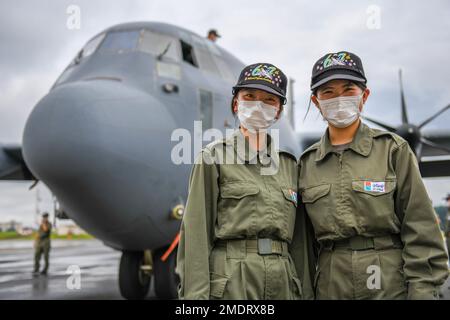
(135, 274)
(136, 270)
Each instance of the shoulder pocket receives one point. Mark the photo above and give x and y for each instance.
(374, 188)
(238, 190)
(312, 194)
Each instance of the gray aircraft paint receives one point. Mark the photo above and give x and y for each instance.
(100, 139)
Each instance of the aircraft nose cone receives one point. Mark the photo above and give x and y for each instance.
(92, 144)
(76, 122)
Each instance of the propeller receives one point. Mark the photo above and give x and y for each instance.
(410, 132)
(434, 116)
(381, 124)
(434, 145)
(34, 184)
(402, 99)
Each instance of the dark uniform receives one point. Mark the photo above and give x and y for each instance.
(42, 246)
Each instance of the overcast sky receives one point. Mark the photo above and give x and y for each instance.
(36, 45)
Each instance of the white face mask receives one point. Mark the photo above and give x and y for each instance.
(256, 115)
(341, 111)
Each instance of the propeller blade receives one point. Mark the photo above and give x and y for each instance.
(35, 182)
(419, 151)
(378, 123)
(434, 145)
(402, 97)
(434, 116)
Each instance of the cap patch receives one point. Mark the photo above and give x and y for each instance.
(336, 59)
(265, 73)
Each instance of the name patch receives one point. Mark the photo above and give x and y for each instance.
(374, 186)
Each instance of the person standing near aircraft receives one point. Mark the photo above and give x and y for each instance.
(42, 245)
(364, 194)
(241, 207)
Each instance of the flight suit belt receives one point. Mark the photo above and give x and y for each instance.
(358, 243)
(236, 248)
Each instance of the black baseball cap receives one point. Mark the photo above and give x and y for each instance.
(264, 76)
(214, 32)
(339, 65)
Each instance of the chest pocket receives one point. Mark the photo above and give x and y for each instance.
(312, 194)
(318, 206)
(376, 203)
(236, 205)
(238, 190)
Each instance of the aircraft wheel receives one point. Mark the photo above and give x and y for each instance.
(166, 281)
(133, 282)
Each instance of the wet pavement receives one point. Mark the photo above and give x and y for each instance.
(97, 263)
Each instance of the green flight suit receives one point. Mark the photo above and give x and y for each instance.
(42, 246)
(375, 223)
(237, 196)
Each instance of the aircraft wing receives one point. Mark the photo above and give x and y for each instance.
(12, 164)
(435, 162)
(439, 138)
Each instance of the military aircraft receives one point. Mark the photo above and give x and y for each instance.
(101, 140)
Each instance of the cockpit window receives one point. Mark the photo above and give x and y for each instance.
(159, 45)
(92, 45)
(207, 57)
(87, 50)
(120, 41)
(188, 53)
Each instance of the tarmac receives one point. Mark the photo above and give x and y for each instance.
(97, 264)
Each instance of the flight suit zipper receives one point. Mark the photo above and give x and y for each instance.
(341, 184)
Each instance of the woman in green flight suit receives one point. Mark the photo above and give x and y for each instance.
(363, 192)
(241, 208)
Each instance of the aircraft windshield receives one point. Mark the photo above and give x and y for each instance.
(120, 41)
(141, 40)
(159, 45)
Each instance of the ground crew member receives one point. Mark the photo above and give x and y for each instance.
(213, 35)
(365, 197)
(42, 245)
(241, 208)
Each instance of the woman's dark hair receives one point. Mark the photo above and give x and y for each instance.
(232, 102)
